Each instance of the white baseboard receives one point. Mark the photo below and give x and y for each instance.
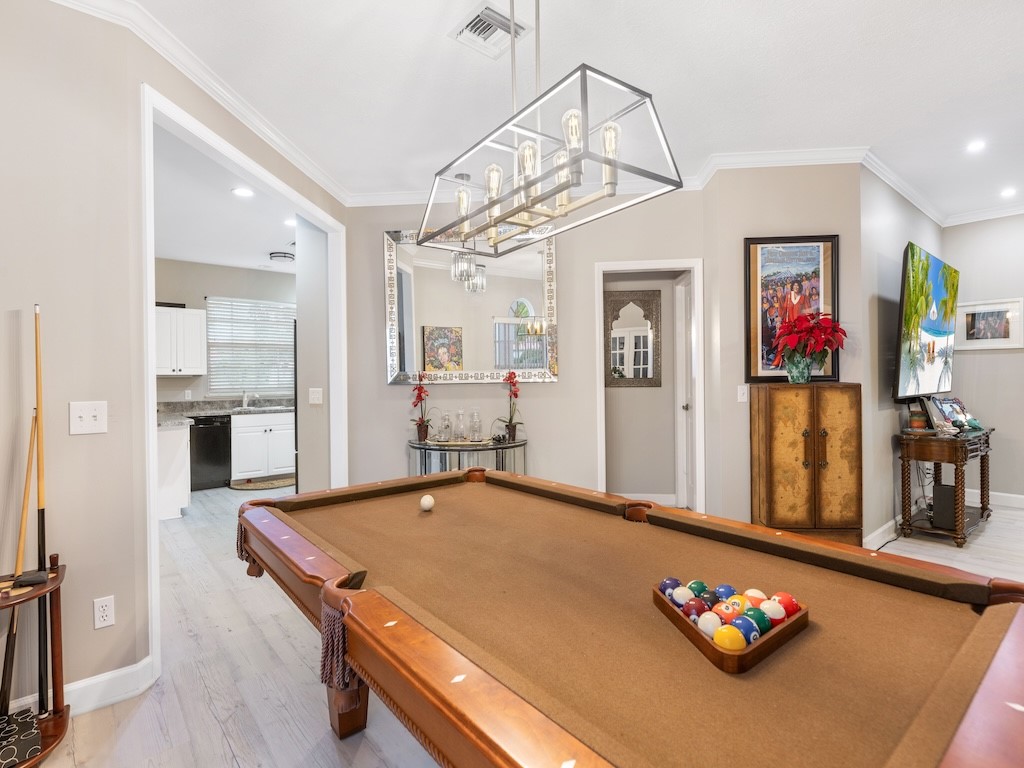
(879, 536)
(102, 690)
(1013, 500)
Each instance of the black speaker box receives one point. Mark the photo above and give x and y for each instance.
(942, 508)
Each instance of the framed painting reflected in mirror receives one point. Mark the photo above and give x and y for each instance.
(632, 338)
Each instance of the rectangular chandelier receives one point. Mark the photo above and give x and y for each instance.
(589, 146)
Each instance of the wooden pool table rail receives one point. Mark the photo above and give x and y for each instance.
(477, 720)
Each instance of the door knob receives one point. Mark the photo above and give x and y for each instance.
(686, 407)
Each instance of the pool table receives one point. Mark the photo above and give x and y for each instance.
(513, 625)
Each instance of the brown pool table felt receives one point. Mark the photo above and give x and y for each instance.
(553, 600)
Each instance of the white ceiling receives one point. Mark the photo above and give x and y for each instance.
(371, 99)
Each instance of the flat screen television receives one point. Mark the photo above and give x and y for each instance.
(927, 323)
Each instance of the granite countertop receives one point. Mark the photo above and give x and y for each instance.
(173, 420)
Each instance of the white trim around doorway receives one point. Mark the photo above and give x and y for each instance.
(696, 268)
(157, 109)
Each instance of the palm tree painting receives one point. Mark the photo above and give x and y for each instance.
(928, 321)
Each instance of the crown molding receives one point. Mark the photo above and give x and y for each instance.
(983, 215)
(886, 174)
(128, 14)
(771, 159)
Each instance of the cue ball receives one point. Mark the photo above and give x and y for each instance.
(427, 503)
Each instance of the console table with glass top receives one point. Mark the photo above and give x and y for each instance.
(956, 450)
(430, 456)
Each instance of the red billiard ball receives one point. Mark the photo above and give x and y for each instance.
(693, 608)
(788, 602)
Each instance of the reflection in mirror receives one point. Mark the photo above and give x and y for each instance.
(632, 334)
(474, 330)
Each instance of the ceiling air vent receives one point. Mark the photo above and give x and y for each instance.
(487, 31)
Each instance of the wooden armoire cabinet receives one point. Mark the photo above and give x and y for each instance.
(805, 459)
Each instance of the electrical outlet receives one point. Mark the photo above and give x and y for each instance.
(316, 396)
(188, 394)
(103, 612)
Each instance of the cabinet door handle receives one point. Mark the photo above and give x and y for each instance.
(807, 446)
(823, 452)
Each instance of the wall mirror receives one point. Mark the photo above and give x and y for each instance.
(632, 338)
(461, 331)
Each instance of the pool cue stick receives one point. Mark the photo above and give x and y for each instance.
(12, 630)
(44, 675)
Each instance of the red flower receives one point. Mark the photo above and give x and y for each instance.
(420, 395)
(811, 335)
(513, 395)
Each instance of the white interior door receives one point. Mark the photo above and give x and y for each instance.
(682, 293)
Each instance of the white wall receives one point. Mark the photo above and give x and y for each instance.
(990, 257)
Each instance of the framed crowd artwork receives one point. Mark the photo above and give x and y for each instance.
(786, 277)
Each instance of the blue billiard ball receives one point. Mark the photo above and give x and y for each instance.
(725, 591)
(667, 585)
(747, 626)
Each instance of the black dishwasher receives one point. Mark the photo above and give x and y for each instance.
(210, 452)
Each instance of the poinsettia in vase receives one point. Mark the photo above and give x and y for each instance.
(804, 343)
(419, 400)
(513, 395)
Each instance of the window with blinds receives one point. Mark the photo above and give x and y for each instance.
(250, 346)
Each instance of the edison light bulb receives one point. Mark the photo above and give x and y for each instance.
(463, 203)
(529, 164)
(492, 180)
(611, 133)
(572, 129)
(561, 176)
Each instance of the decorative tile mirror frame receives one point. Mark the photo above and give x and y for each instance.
(404, 321)
(648, 302)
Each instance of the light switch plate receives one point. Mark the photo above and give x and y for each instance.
(87, 418)
(316, 396)
(741, 393)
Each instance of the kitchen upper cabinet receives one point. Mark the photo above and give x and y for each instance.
(180, 342)
(262, 444)
(805, 458)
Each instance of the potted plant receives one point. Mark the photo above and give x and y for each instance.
(804, 343)
(420, 395)
(513, 395)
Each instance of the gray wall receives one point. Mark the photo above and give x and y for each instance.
(640, 421)
(990, 257)
(188, 283)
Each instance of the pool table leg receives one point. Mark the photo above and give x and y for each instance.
(348, 707)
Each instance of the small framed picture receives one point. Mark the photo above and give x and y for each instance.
(989, 325)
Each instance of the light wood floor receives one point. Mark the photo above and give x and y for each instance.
(240, 683)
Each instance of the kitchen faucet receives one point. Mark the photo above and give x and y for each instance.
(247, 395)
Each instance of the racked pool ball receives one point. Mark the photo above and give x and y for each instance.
(747, 627)
(697, 586)
(667, 585)
(730, 638)
(693, 608)
(727, 611)
(788, 602)
(740, 601)
(725, 591)
(760, 618)
(708, 622)
(709, 597)
(776, 613)
(679, 596)
(755, 596)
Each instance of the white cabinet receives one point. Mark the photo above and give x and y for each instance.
(180, 342)
(262, 444)
(174, 481)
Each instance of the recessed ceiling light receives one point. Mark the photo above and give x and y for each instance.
(242, 192)
(976, 146)
(1008, 192)
(289, 222)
